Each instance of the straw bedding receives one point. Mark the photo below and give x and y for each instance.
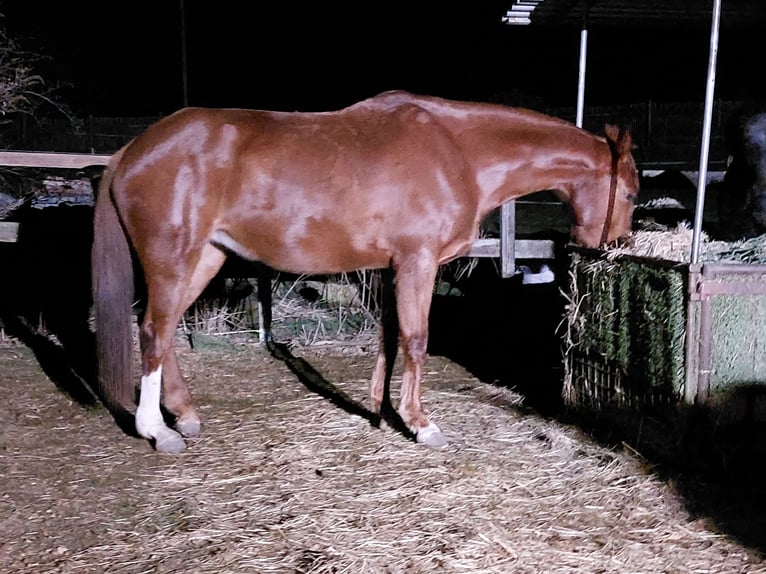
(283, 481)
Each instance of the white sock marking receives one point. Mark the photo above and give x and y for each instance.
(148, 414)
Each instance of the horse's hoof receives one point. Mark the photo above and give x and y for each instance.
(431, 436)
(170, 442)
(189, 428)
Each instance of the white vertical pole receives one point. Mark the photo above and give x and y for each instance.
(581, 78)
(184, 72)
(707, 121)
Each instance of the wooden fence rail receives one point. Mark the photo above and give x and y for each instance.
(9, 230)
(51, 159)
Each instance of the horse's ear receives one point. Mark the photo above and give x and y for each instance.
(612, 132)
(623, 142)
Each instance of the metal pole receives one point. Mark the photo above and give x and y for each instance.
(583, 62)
(184, 81)
(707, 121)
(581, 78)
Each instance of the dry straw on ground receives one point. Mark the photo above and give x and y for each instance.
(283, 481)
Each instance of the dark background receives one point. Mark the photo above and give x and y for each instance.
(126, 58)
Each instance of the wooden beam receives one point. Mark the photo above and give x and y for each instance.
(51, 159)
(524, 248)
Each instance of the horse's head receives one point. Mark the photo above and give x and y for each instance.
(603, 206)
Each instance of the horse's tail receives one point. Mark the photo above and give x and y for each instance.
(112, 282)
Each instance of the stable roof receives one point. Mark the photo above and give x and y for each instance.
(635, 13)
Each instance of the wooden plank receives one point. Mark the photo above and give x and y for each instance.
(484, 248)
(535, 249)
(523, 248)
(9, 231)
(51, 159)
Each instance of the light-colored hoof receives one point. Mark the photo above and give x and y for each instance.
(189, 428)
(169, 441)
(431, 436)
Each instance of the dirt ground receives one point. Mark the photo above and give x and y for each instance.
(284, 479)
(289, 475)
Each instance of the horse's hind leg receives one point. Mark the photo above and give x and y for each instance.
(171, 288)
(415, 276)
(176, 397)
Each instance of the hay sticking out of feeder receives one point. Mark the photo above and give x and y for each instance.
(676, 245)
(671, 245)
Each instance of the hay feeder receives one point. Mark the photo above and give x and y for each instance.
(651, 332)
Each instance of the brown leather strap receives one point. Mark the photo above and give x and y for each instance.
(612, 192)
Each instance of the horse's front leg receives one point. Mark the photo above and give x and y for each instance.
(388, 344)
(379, 382)
(415, 276)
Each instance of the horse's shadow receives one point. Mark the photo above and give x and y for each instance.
(522, 351)
(45, 296)
(45, 300)
(504, 332)
(315, 381)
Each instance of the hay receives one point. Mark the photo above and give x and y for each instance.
(626, 320)
(738, 344)
(282, 481)
(675, 245)
(307, 311)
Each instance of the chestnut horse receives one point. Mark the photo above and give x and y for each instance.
(397, 181)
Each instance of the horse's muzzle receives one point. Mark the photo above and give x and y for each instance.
(592, 239)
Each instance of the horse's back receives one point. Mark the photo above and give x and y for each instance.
(305, 192)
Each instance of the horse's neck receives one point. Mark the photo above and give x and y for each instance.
(526, 161)
(514, 152)
(501, 181)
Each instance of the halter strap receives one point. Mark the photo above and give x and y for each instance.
(612, 192)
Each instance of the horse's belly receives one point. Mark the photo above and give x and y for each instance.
(297, 253)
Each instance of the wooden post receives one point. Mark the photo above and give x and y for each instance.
(508, 239)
